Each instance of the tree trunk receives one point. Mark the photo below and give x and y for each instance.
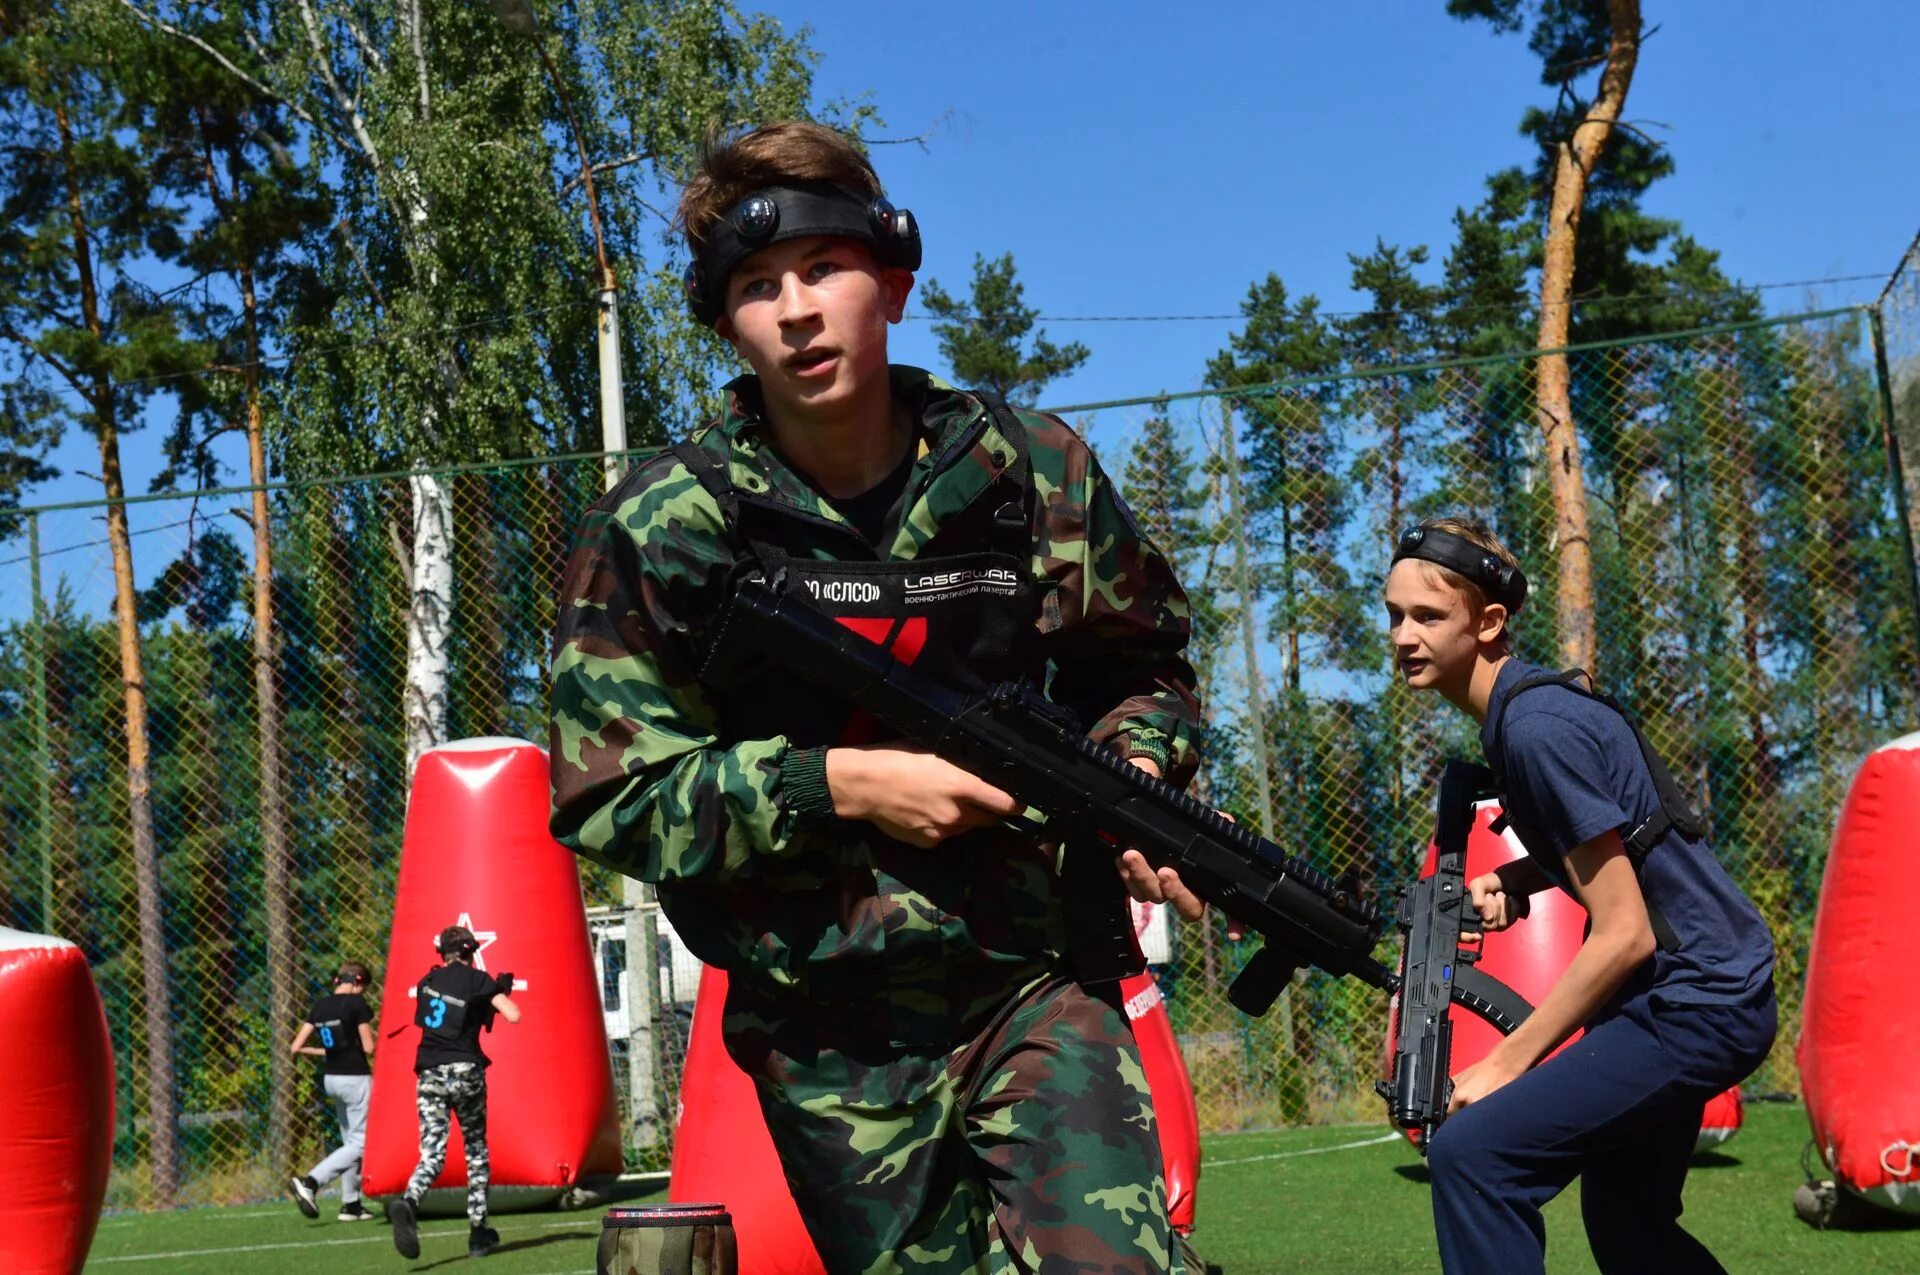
(1573, 165)
(146, 863)
(1243, 579)
(1750, 575)
(275, 859)
(429, 615)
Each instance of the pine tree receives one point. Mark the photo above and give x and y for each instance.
(216, 134)
(1296, 498)
(1570, 36)
(83, 208)
(1169, 498)
(985, 339)
(1395, 329)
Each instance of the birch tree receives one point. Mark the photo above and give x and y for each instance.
(450, 315)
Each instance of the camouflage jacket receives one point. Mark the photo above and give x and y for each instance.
(807, 911)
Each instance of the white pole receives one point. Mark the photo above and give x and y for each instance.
(613, 404)
(641, 995)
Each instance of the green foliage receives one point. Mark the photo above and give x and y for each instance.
(1168, 495)
(1296, 497)
(84, 337)
(1484, 292)
(984, 339)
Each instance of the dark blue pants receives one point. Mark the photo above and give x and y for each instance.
(1620, 1109)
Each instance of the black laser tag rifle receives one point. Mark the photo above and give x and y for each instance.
(1436, 970)
(1095, 801)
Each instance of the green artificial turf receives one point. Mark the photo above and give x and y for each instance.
(1290, 1202)
(1365, 1209)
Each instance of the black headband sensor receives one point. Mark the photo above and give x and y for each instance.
(1504, 584)
(457, 940)
(791, 212)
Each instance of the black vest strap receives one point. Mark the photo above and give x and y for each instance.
(1012, 521)
(1675, 812)
(711, 473)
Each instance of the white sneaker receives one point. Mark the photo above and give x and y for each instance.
(303, 1189)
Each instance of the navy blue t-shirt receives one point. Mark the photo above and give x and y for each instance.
(1573, 771)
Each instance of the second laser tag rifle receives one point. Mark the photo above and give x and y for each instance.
(1437, 969)
(1095, 800)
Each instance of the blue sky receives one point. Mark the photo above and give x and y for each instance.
(1139, 163)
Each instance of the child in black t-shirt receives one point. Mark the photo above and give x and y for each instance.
(453, 1003)
(1673, 984)
(343, 1025)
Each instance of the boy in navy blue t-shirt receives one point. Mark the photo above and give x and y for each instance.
(1674, 983)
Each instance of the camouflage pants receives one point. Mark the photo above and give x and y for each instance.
(446, 1092)
(1029, 1149)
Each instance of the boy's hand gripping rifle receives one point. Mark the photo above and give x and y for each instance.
(1095, 800)
(1436, 970)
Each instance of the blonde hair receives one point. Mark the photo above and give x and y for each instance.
(1479, 535)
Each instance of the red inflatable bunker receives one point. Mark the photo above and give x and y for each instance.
(1531, 956)
(1720, 1121)
(1859, 1047)
(56, 1137)
(1174, 1112)
(722, 1151)
(477, 853)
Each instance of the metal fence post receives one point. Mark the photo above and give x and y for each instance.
(642, 1002)
(1903, 502)
(42, 741)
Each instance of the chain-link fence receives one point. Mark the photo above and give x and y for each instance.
(1895, 324)
(1754, 606)
(1750, 571)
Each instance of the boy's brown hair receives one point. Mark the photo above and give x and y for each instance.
(780, 153)
(353, 972)
(1481, 536)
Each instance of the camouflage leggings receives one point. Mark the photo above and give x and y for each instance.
(445, 1092)
(1029, 1149)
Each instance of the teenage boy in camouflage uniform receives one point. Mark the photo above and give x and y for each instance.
(944, 1094)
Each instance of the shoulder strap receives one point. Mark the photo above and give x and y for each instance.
(1674, 810)
(1531, 682)
(711, 473)
(1012, 521)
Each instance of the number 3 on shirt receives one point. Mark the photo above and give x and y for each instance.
(437, 1013)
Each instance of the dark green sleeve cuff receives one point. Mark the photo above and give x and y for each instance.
(1146, 743)
(803, 781)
